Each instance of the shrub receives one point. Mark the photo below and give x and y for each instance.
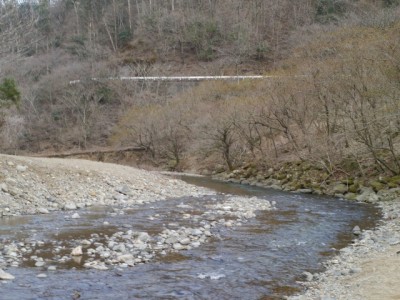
(9, 93)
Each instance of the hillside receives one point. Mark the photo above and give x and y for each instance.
(333, 103)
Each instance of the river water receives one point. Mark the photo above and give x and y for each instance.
(262, 259)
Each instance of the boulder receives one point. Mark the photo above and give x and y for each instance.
(389, 195)
(367, 195)
(340, 188)
(377, 186)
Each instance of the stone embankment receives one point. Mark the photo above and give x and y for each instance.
(301, 177)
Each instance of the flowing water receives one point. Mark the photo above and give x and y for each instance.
(262, 259)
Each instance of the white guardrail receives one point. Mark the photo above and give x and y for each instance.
(178, 78)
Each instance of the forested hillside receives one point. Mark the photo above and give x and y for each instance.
(334, 101)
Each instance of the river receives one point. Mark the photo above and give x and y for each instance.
(262, 259)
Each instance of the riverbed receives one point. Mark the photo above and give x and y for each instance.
(262, 258)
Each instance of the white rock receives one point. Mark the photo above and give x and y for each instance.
(5, 275)
(40, 264)
(41, 275)
(70, 206)
(185, 241)
(95, 265)
(77, 251)
(178, 246)
(75, 216)
(125, 258)
(229, 224)
(307, 276)
(195, 244)
(119, 248)
(144, 237)
(4, 187)
(21, 168)
(105, 254)
(196, 232)
(43, 210)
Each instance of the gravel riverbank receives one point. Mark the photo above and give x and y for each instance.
(40, 185)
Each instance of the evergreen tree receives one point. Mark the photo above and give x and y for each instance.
(9, 93)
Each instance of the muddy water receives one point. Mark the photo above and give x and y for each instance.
(262, 259)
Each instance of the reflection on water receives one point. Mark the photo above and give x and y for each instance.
(262, 259)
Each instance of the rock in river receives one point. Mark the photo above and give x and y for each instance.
(5, 275)
(356, 230)
(77, 251)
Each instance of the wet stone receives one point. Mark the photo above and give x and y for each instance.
(356, 230)
(40, 264)
(75, 216)
(5, 276)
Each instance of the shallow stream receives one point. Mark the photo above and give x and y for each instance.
(262, 259)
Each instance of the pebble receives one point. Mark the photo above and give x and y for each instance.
(4, 187)
(75, 216)
(196, 232)
(125, 190)
(356, 230)
(21, 168)
(77, 251)
(178, 246)
(70, 206)
(307, 276)
(39, 264)
(43, 210)
(185, 241)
